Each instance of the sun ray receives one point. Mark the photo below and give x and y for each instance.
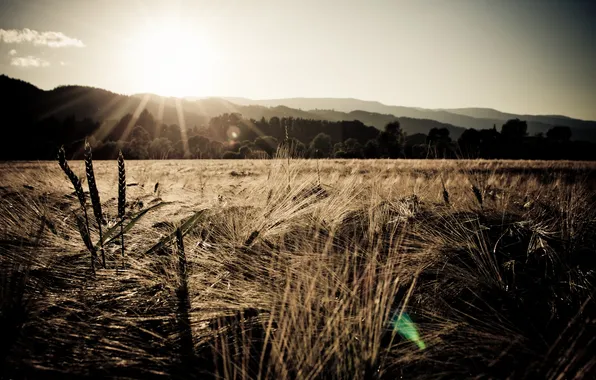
(254, 128)
(77, 98)
(134, 118)
(107, 108)
(115, 109)
(182, 124)
(228, 106)
(162, 104)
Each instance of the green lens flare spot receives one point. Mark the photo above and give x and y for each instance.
(407, 329)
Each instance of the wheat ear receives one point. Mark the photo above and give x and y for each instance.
(76, 183)
(121, 199)
(94, 195)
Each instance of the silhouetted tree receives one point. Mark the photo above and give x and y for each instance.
(559, 134)
(108, 150)
(136, 150)
(244, 151)
(469, 143)
(267, 144)
(391, 141)
(140, 134)
(199, 146)
(490, 143)
(216, 149)
(293, 147)
(513, 133)
(320, 146)
(337, 147)
(353, 148)
(147, 121)
(160, 148)
(514, 130)
(439, 142)
(371, 149)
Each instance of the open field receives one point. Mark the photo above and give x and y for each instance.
(304, 269)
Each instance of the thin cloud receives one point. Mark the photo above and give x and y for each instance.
(12, 52)
(50, 39)
(29, 61)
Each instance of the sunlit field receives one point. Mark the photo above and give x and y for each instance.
(301, 269)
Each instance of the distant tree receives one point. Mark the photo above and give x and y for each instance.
(559, 134)
(275, 123)
(178, 151)
(391, 141)
(147, 121)
(139, 133)
(321, 146)
(160, 148)
(267, 144)
(172, 133)
(294, 147)
(353, 148)
(438, 135)
(216, 149)
(393, 128)
(108, 150)
(341, 154)
(199, 146)
(439, 142)
(338, 147)
(513, 134)
(514, 130)
(371, 149)
(469, 143)
(490, 146)
(244, 151)
(136, 150)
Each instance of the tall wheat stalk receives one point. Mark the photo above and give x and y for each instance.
(121, 199)
(94, 195)
(76, 183)
(186, 342)
(288, 151)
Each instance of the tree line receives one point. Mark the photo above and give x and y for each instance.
(230, 136)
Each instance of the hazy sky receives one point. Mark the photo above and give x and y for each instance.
(536, 57)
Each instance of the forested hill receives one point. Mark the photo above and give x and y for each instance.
(36, 122)
(23, 103)
(477, 118)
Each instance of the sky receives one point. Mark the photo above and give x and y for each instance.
(526, 57)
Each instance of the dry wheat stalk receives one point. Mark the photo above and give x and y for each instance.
(76, 183)
(121, 199)
(94, 195)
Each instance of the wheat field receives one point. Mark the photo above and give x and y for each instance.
(300, 269)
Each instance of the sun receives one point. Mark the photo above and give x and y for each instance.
(175, 61)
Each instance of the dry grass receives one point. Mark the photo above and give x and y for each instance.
(300, 271)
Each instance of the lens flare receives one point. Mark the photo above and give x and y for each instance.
(233, 132)
(407, 329)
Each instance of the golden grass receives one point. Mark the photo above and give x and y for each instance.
(298, 267)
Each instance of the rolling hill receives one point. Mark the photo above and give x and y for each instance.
(478, 118)
(21, 103)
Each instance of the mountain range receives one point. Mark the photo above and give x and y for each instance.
(22, 102)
